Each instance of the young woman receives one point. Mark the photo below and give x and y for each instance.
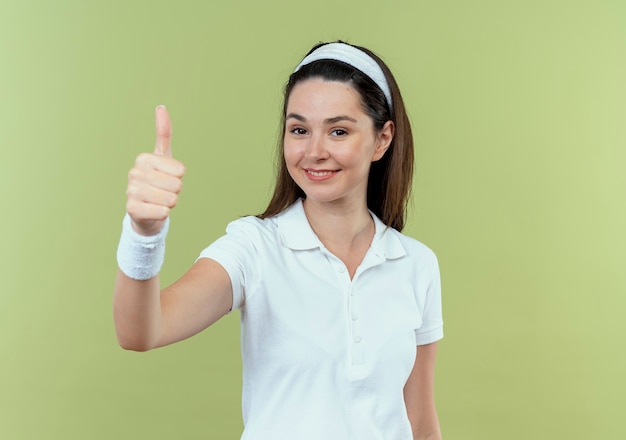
(340, 312)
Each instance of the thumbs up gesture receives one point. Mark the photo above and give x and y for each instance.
(155, 181)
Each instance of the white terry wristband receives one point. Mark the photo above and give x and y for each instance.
(139, 256)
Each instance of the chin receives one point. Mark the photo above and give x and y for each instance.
(325, 198)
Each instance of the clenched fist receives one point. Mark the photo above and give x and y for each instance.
(155, 181)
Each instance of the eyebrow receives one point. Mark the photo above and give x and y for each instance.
(332, 120)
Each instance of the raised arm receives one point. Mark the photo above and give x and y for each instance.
(146, 317)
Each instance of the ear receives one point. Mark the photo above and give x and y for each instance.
(384, 138)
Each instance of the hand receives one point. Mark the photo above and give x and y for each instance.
(155, 181)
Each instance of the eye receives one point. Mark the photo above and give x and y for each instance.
(338, 132)
(298, 131)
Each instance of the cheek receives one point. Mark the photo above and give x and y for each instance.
(353, 156)
(292, 154)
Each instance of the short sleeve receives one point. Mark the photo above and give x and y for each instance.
(235, 253)
(431, 329)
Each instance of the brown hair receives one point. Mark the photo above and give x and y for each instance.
(390, 178)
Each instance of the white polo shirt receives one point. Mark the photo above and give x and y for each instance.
(326, 357)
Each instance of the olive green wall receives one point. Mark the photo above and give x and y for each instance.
(519, 110)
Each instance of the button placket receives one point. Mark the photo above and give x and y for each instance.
(343, 278)
(355, 327)
(338, 268)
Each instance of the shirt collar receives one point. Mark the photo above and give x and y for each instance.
(297, 233)
(295, 228)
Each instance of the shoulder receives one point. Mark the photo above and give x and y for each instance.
(290, 229)
(285, 227)
(412, 251)
(247, 224)
(416, 259)
(252, 229)
(414, 246)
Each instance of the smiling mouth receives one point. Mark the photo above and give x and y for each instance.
(319, 173)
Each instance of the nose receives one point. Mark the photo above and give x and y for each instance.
(316, 148)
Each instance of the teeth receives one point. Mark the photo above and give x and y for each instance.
(319, 173)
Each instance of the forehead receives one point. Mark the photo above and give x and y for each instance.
(325, 97)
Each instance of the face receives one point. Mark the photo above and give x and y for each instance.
(330, 142)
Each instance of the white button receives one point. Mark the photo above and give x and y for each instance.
(357, 339)
(354, 317)
(342, 269)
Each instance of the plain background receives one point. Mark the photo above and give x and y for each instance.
(518, 109)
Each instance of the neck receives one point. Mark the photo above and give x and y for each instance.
(345, 230)
(340, 224)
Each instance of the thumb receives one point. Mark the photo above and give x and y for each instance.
(163, 132)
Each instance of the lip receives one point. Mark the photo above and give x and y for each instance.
(319, 175)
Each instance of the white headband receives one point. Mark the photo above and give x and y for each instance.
(354, 57)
